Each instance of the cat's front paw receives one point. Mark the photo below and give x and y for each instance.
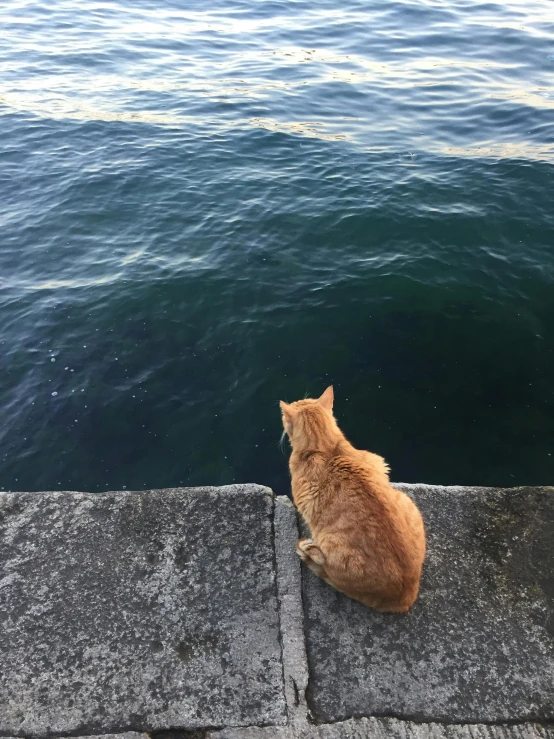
(308, 550)
(301, 546)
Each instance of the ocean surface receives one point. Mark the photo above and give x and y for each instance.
(209, 207)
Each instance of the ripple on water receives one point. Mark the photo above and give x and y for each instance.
(204, 210)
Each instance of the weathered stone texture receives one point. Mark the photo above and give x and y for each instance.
(138, 611)
(186, 613)
(383, 728)
(478, 646)
(375, 728)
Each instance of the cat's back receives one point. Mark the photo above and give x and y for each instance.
(355, 472)
(356, 490)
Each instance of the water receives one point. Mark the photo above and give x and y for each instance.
(206, 210)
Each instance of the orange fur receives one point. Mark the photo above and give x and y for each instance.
(367, 539)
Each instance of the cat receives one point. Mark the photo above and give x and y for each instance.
(367, 539)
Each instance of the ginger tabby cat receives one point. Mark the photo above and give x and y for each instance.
(367, 539)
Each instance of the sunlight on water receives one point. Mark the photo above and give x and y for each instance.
(169, 67)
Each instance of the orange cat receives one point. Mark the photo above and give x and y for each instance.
(367, 539)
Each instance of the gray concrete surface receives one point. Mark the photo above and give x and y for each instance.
(374, 728)
(142, 611)
(363, 728)
(186, 614)
(477, 646)
(379, 728)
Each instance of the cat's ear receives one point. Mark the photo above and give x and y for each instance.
(326, 399)
(287, 410)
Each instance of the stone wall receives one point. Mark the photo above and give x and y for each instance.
(185, 612)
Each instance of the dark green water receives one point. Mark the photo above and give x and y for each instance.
(206, 210)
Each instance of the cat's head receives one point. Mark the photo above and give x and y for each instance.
(304, 421)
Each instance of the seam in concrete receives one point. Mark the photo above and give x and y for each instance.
(289, 590)
(303, 530)
(307, 689)
(174, 733)
(306, 729)
(130, 732)
(278, 591)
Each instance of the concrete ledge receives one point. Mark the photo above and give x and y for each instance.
(145, 610)
(185, 613)
(478, 646)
